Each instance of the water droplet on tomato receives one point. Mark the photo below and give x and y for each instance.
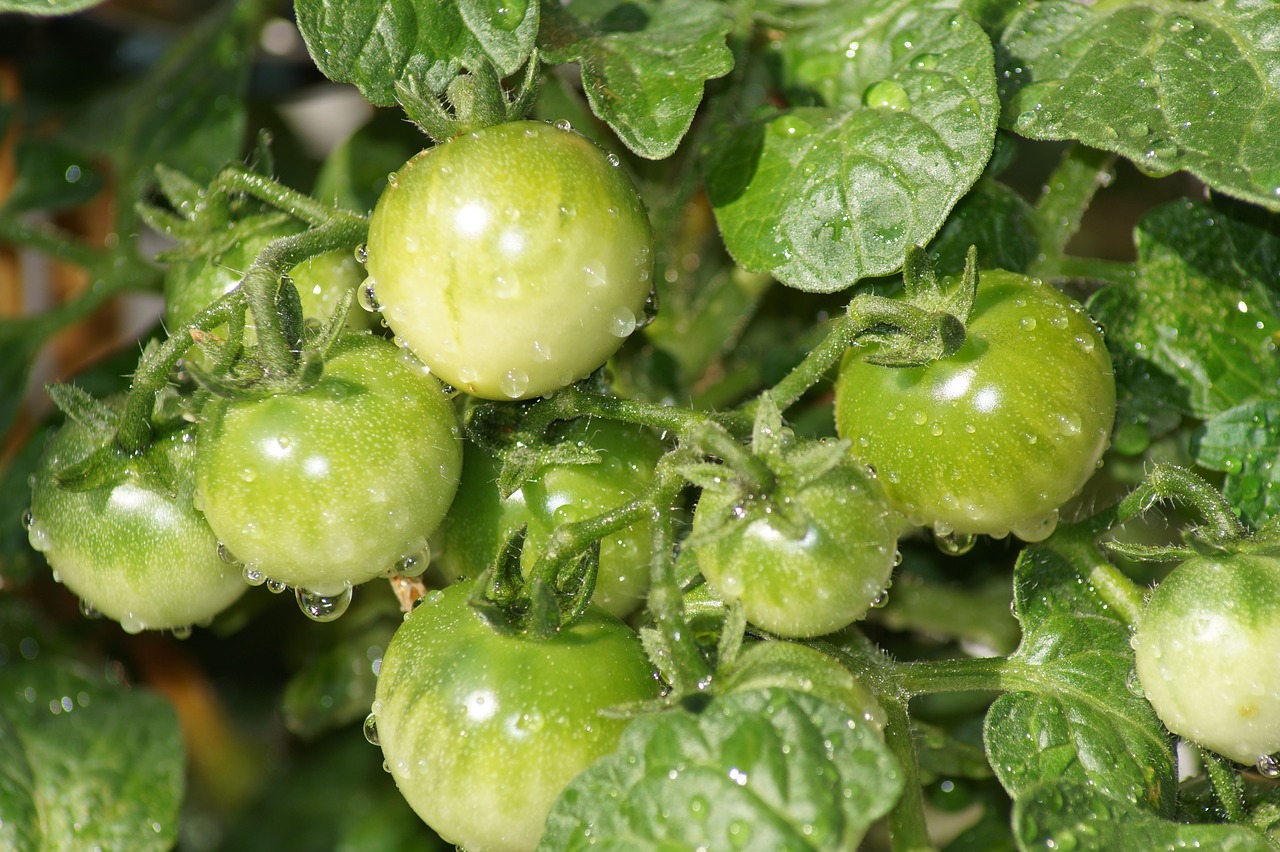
(613, 159)
(881, 600)
(953, 543)
(39, 538)
(1268, 766)
(1037, 529)
(1133, 684)
(393, 179)
(415, 563)
(1085, 343)
(368, 297)
(371, 729)
(28, 520)
(1027, 323)
(318, 607)
(362, 253)
(541, 351)
(623, 322)
(253, 576)
(88, 610)
(563, 124)
(514, 383)
(182, 631)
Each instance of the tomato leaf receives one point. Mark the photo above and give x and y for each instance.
(1170, 85)
(995, 219)
(764, 766)
(822, 196)
(87, 763)
(47, 7)
(1066, 813)
(1202, 312)
(1071, 715)
(643, 63)
(1244, 443)
(376, 43)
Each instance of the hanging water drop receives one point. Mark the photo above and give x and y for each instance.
(318, 607)
(88, 610)
(253, 576)
(362, 253)
(371, 729)
(623, 322)
(1268, 766)
(182, 631)
(225, 554)
(415, 563)
(881, 600)
(953, 543)
(28, 520)
(276, 587)
(368, 298)
(514, 383)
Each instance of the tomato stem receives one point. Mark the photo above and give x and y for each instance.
(1170, 482)
(1067, 194)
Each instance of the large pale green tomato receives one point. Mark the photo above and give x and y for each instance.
(133, 549)
(482, 731)
(330, 487)
(1208, 653)
(997, 437)
(513, 260)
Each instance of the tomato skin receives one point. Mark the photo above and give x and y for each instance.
(191, 285)
(330, 487)
(137, 555)
(513, 260)
(1207, 650)
(997, 437)
(482, 731)
(811, 571)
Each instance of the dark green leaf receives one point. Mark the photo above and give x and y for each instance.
(1202, 312)
(86, 764)
(1244, 443)
(51, 176)
(1171, 85)
(995, 219)
(643, 62)
(17, 559)
(760, 768)
(1070, 714)
(825, 196)
(1065, 813)
(377, 43)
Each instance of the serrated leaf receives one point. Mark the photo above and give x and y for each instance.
(376, 43)
(1171, 85)
(825, 196)
(1070, 714)
(765, 766)
(1067, 814)
(47, 7)
(1202, 311)
(643, 63)
(86, 764)
(1244, 443)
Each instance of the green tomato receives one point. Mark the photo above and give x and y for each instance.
(191, 285)
(134, 550)
(513, 260)
(332, 486)
(479, 521)
(1205, 650)
(481, 731)
(805, 560)
(997, 437)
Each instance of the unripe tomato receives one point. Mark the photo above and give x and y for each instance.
(132, 550)
(330, 487)
(513, 260)
(1208, 653)
(998, 436)
(481, 731)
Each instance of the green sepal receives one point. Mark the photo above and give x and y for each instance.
(472, 100)
(83, 408)
(289, 310)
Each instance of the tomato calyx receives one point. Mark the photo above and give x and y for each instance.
(542, 604)
(473, 99)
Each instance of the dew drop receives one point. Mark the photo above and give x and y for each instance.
(613, 159)
(371, 729)
(88, 610)
(563, 124)
(1268, 766)
(1133, 684)
(182, 631)
(276, 587)
(886, 94)
(1027, 323)
(514, 383)
(318, 607)
(881, 600)
(39, 538)
(623, 322)
(28, 520)
(953, 543)
(393, 179)
(362, 253)
(368, 298)
(253, 576)
(225, 554)
(415, 563)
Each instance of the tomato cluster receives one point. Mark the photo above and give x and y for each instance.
(509, 263)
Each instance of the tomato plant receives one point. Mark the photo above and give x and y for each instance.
(1030, 390)
(330, 487)
(524, 225)
(875, 360)
(1199, 648)
(461, 710)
